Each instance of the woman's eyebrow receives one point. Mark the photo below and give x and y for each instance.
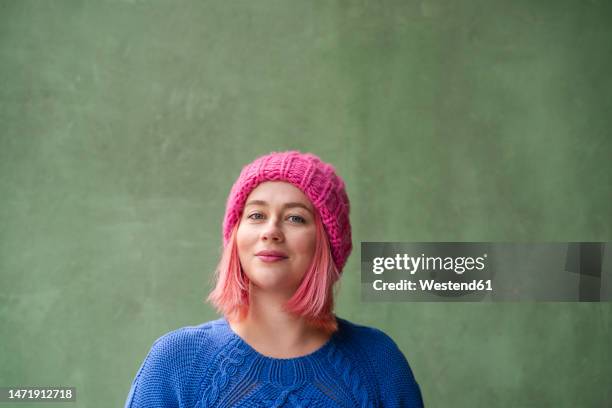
(286, 205)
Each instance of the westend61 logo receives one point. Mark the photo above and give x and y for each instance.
(412, 264)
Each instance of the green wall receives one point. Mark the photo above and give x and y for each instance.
(124, 124)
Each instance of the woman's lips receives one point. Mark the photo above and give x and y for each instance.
(271, 258)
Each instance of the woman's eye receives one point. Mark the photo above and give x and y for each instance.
(297, 218)
(255, 216)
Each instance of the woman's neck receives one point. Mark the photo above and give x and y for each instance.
(275, 333)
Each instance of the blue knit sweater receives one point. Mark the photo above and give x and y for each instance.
(211, 366)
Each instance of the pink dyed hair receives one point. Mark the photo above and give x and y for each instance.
(312, 300)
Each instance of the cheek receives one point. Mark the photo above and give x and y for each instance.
(244, 240)
(307, 246)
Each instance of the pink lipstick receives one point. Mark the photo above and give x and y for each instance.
(268, 258)
(271, 256)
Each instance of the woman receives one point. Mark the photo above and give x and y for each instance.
(286, 237)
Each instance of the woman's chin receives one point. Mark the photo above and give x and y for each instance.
(273, 285)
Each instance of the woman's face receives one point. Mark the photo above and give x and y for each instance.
(276, 237)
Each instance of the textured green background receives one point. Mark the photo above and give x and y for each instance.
(124, 124)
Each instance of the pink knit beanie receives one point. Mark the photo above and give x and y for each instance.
(317, 180)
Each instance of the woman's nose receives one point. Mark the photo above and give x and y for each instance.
(272, 232)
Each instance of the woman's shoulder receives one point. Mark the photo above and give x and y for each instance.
(167, 371)
(201, 330)
(372, 342)
(365, 335)
(189, 340)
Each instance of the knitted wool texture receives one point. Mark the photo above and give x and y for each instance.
(317, 180)
(210, 366)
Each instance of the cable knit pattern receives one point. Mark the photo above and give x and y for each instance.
(318, 181)
(228, 366)
(210, 366)
(349, 375)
